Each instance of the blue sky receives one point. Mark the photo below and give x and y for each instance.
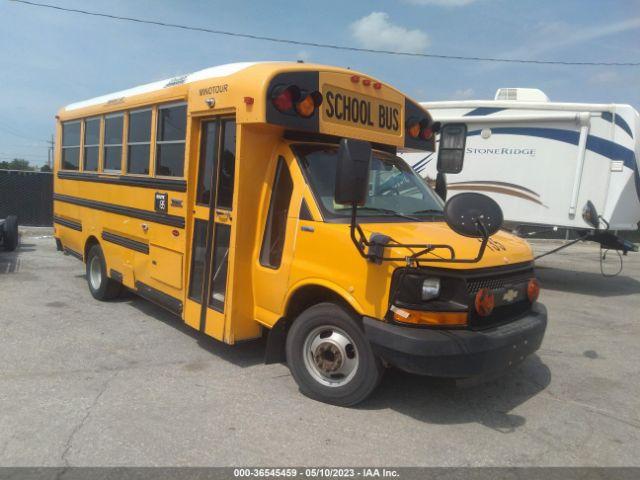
(49, 59)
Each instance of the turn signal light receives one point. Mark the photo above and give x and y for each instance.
(533, 290)
(305, 107)
(413, 129)
(484, 302)
(308, 104)
(417, 317)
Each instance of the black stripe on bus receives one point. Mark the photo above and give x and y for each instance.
(73, 253)
(145, 182)
(65, 222)
(126, 242)
(156, 296)
(164, 219)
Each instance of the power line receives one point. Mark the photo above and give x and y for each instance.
(326, 45)
(6, 129)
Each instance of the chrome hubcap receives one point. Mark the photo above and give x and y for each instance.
(330, 356)
(95, 273)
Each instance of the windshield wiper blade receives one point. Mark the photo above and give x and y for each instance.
(391, 212)
(429, 210)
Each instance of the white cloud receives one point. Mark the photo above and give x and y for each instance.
(442, 3)
(375, 31)
(555, 35)
(463, 94)
(605, 77)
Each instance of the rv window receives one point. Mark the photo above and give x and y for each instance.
(273, 241)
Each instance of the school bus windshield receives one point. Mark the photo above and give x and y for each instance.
(394, 188)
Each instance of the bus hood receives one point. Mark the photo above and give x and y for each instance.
(503, 248)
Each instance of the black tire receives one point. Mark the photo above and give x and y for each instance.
(10, 236)
(100, 285)
(364, 378)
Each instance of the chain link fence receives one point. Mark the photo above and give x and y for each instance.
(29, 195)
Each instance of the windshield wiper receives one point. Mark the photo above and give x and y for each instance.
(429, 210)
(391, 212)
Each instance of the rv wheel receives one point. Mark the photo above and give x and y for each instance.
(10, 233)
(330, 358)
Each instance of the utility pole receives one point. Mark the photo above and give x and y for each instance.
(50, 153)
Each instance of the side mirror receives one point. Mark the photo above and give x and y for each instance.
(453, 138)
(352, 172)
(473, 215)
(441, 185)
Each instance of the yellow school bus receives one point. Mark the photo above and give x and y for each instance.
(257, 199)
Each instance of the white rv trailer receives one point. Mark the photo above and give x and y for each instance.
(543, 161)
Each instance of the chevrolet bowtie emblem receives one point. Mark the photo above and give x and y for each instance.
(510, 295)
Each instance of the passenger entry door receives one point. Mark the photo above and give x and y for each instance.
(213, 217)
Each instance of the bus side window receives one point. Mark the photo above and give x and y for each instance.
(172, 128)
(138, 143)
(70, 145)
(113, 126)
(91, 144)
(273, 241)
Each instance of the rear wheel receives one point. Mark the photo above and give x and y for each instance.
(100, 285)
(10, 236)
(329, 356)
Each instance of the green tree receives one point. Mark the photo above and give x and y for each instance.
(45, 168)
(16, 164)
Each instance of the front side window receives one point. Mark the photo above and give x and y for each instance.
(139, 142)
(70, 146)
(91, 144)
(172, 130)
(113, 126)
(395, 190)
(275, 229)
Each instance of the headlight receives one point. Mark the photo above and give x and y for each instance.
(430, 288)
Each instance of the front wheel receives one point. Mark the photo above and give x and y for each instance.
(329, 356)
(100, 285)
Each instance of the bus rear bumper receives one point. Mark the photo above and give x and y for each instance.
(458, 353)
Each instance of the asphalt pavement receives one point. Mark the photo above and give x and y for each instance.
(124, 383)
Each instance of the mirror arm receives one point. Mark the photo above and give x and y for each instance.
(362, 242)
(485, 240)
